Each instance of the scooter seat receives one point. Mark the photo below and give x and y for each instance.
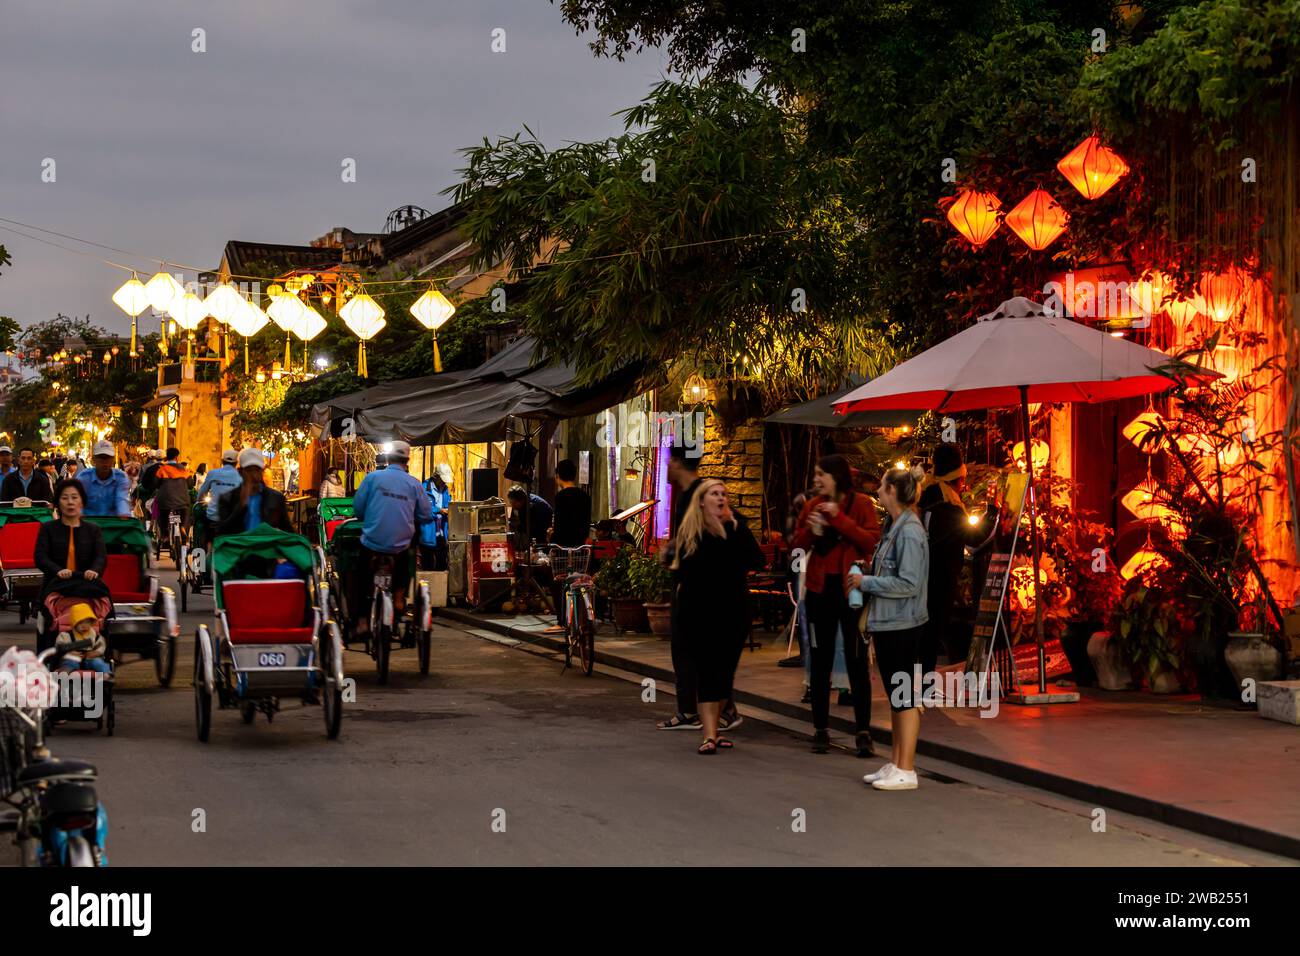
(57, 768)
(70, 800)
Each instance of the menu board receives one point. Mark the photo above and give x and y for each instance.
(988, 614)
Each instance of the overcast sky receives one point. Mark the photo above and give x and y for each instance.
(166, 152)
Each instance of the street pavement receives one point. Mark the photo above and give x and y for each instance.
(499, 757)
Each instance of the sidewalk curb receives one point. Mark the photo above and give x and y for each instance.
(1205, 824)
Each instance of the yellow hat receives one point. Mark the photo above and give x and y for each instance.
(79, 613)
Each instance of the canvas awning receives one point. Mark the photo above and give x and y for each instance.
(820, 413)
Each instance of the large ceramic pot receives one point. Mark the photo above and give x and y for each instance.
(661, 619)
(1251, 657)
(1166, 681)
(1108, 663)
(629, 615)
(1075, 644)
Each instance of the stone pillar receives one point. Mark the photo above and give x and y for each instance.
(737, 459)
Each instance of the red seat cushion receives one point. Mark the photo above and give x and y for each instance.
(124, 578)
(332, 525)
(267, 612)
(18, 544)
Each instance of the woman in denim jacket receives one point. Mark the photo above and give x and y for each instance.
(896, 588)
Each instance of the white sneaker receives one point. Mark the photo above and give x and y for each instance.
(880, 774)
(898, 780)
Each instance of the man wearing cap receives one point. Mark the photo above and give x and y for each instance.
(6, 460)
(108, 489)
(218, 481)
(389, 504)
(252, 503)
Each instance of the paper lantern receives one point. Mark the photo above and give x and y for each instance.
(1092, 168)
(224, 303)
(131, 297)
(309, 325)
(1184, 311)
(975, 215)
(432, 310)
(188, 310)
(1144, 431)
(1038, 220)
(1223, 293)
(365, 318)
(161, 290)
(286, 311)
(248, 321)
(1144, 560)
(1144, 503)
(1041, 454)
(1148, 294)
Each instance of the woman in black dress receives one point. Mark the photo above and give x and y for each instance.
(715, 552)
(71, 554)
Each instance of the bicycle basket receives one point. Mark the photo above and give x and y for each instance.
(566, 561)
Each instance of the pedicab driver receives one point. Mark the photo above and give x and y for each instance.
(389, 504)
(217, 482)
(108, 489)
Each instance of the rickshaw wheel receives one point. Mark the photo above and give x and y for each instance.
(423, 644)
(202, 698)
(164, 661)
(247, 711)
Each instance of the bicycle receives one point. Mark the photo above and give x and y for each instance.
(569, 568)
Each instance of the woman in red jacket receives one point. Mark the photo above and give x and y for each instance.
(836, 529)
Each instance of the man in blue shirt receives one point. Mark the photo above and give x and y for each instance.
(6, 460)
(389, 504)
(218, 482)
(108, 489)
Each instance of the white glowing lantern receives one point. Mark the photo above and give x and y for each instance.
(224, 303)
(188, 310)
(162, 290)
(432, 310)
(286, 311)
(131, 297)
(365, 318)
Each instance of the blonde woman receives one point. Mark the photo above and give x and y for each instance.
(715, 552)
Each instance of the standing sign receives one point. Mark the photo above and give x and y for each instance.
(989, 619)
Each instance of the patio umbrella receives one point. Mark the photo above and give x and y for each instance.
(1017, 354)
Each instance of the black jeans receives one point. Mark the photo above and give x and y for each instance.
(828, 611)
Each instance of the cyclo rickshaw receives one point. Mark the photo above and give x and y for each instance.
(144, 621)
(22, 579)
(413, 627)
(271, 636)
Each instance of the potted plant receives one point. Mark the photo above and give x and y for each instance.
(614, 580)
(652, 582)
(1146, 635)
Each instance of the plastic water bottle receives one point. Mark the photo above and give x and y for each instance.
(855, 596)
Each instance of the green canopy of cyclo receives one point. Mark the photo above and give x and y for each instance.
(9, 514)
(122, 535)
(264, 541)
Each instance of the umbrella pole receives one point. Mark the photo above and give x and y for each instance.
(1033, 539)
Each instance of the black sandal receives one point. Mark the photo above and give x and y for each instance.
(724, 744)
(708, 748)
(679, 722)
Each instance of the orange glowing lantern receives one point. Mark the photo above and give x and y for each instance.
(1145, 431)
(1041, 454)
(1223, 293)
(1038, 219)
(1145, 559)
(1184, 311)
(975, 215)
(1148, 294)
(1142, 502)
(1092, 168)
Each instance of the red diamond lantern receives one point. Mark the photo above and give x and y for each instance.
(1092, 168)
(1037, 219)
(975, 215)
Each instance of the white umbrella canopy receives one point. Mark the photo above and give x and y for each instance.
(1018, 352)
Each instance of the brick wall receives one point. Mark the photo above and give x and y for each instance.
(737, 459)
